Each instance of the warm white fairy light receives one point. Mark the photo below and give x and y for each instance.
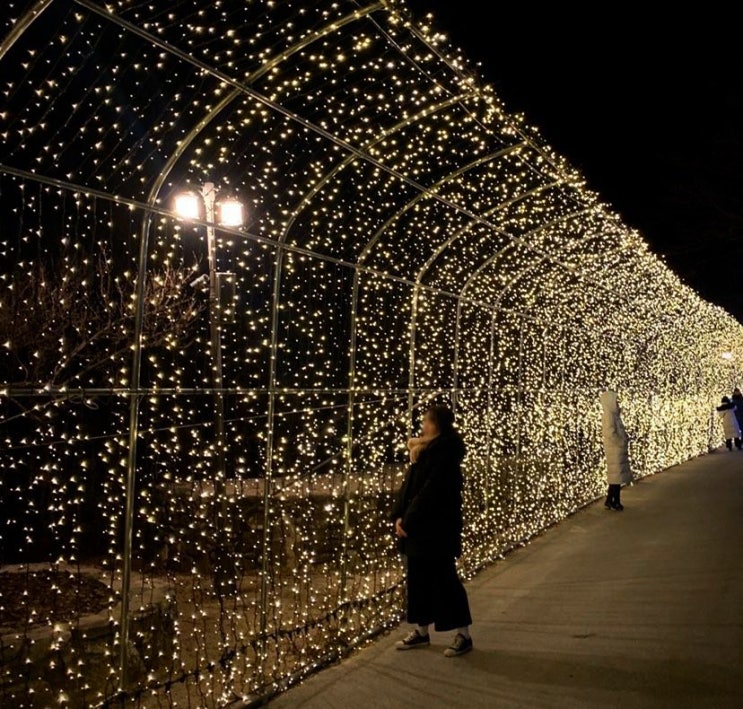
(407, 240)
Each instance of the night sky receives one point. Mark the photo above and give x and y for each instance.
(648, 108)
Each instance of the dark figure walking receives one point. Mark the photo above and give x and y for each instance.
(737, 399)
(427, 514)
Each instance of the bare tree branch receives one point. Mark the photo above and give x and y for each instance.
(76, 323)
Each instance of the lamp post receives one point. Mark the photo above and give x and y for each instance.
(231, 215)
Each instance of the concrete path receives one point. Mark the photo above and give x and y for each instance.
(640, 608)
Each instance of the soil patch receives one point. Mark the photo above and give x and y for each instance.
(44, 597)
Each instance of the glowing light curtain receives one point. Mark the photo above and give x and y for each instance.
(407, 240)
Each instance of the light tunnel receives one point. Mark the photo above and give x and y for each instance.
(208, 421)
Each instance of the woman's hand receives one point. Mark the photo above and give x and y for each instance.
(399, 531)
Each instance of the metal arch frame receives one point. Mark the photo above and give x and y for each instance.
(493, 314)
(239, 89)
(22, 24)
(506, 287)
(432, 192)
(276, 297)
(439, 251)
(495, 309)
(350, 159)
(538, 262)
(579, 274)
(514, 240)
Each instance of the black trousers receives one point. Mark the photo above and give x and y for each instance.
(612, 496)
(729, 443)
(435, 594)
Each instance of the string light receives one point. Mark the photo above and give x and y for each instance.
(408, 241)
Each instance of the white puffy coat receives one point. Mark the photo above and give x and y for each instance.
(616, 440)
(730, 427)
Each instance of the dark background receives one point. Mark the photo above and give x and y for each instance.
(647, 102)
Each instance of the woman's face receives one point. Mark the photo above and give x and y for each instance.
(429, 426)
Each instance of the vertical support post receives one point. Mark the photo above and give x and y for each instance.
(270, 433)
(224, 568)
(348, 468)
(455, 377)
(411, 360)
(489, 477)
(491, 358)
(131, 463)
(519, 391)
(209, 196)
(543, 385)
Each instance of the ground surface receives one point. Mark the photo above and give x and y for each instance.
(29, 599)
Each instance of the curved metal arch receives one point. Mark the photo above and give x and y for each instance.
(245, 89)
(350, 159)
(22, 24)
(416, 295)
(456, 69)
(431, 192)
(576, 272)
(513, 239)
(578, 275)
(506, 287)
(239, 88)
(541, 260)
(416, 289)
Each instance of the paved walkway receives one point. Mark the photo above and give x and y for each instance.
(640, 608)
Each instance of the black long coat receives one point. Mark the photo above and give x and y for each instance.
(737, 399)
(430, 500)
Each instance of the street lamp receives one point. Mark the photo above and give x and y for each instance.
(230, 213)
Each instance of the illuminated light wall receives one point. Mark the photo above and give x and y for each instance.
(408, 240)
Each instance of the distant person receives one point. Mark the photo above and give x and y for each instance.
(427, 514)
(730, 426)
(737, 399)
(616, 449)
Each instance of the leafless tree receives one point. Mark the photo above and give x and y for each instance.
(73, 326)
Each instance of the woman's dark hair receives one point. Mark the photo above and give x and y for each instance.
(442, 416)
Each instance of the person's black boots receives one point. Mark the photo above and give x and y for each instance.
(612, 499)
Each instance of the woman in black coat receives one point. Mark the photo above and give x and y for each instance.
(427, 514)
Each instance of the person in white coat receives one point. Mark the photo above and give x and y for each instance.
(730, 426)
(616, 448)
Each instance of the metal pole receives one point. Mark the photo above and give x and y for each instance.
(411, 360)
(348, 468)
(270, 434)
(223, 571)
(489, 476)
(131, 463)
(455, 366)
(209, 196)
(519, 391)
